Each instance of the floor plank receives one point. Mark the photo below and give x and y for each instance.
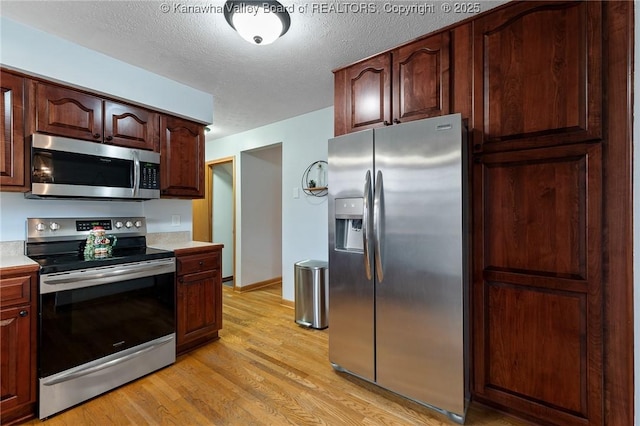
(264, 370)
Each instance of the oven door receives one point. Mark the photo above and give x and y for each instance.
(94, 313)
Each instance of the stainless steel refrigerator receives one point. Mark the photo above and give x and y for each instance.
(397, 260)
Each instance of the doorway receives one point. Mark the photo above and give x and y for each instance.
(214, 215)
(260, 218)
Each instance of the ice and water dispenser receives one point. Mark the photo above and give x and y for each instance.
(348, 216)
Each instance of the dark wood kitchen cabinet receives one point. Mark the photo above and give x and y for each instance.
(543, 330)
(538, 75)
(13, 153)
(198, 296)
(537, 282)
(182, 158)
(362, 95)
(18, 322)
(62, 111)
(408, 83)
(133, 127)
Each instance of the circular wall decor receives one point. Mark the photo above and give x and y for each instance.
(314, 179)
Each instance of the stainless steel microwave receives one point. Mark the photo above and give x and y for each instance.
(63, 167)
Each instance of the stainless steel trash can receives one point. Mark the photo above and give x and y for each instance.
(311, 293)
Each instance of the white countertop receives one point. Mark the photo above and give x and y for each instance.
(10, 261)
(11, 252)
(181, 245)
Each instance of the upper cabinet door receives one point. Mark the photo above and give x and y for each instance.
(126, 125)
(12, 149)
(538, 77)
(421, 79)
(182, 158)
(66, 112)
(363, 95)
(408, 83)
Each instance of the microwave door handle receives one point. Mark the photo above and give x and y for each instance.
(136, 174)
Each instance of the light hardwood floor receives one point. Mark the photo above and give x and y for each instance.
(264, 370)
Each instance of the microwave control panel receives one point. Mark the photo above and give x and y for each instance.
(149, 176)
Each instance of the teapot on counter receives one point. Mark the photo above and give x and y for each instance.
(99, 245)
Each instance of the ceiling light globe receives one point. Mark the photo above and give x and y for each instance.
(259, 22)
(260, 27)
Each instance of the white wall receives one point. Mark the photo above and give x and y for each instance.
(35, 52)
(222, 214)
(262, 224)
(304, 219)
(14, 209)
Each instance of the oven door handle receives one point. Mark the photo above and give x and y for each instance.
(103, 275)
(86, 370)
(88, 279)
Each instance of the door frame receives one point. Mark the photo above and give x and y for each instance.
(203, 208)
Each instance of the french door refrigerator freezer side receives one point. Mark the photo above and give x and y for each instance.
(351, 284)
(419, 296)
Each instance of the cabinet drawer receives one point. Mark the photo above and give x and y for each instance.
(197, 263)
(15, 290)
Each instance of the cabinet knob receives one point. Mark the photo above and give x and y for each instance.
(181, 279)
(477, 159)
(23, 313)
(201, 263)
(396, 121)
(109, 138)
(96, 135)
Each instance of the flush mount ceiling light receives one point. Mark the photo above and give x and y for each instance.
(258, 22)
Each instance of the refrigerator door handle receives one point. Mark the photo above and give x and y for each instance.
(366, 225)
(378, 226)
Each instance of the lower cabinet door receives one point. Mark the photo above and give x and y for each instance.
(199, 315)
(15, 352)
(537, 283)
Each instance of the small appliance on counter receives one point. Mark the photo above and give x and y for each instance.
(106, 306)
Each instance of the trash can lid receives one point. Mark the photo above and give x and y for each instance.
(311, 264)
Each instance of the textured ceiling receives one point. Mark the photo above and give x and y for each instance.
(251, 85)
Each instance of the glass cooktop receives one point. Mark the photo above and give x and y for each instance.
(69, 255)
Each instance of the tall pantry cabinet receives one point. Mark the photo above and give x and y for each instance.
(537, 197)
(545, 87)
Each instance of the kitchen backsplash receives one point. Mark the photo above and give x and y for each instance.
(16, 248)
(155, 238)
(11, 248)
(163, 216)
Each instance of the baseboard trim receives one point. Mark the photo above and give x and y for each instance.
(288, 303)
(259, 285)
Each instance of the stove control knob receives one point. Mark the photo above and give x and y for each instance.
(118, 225)
(40, 227)
(54, 226)
(128, 224)
(138, 224)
